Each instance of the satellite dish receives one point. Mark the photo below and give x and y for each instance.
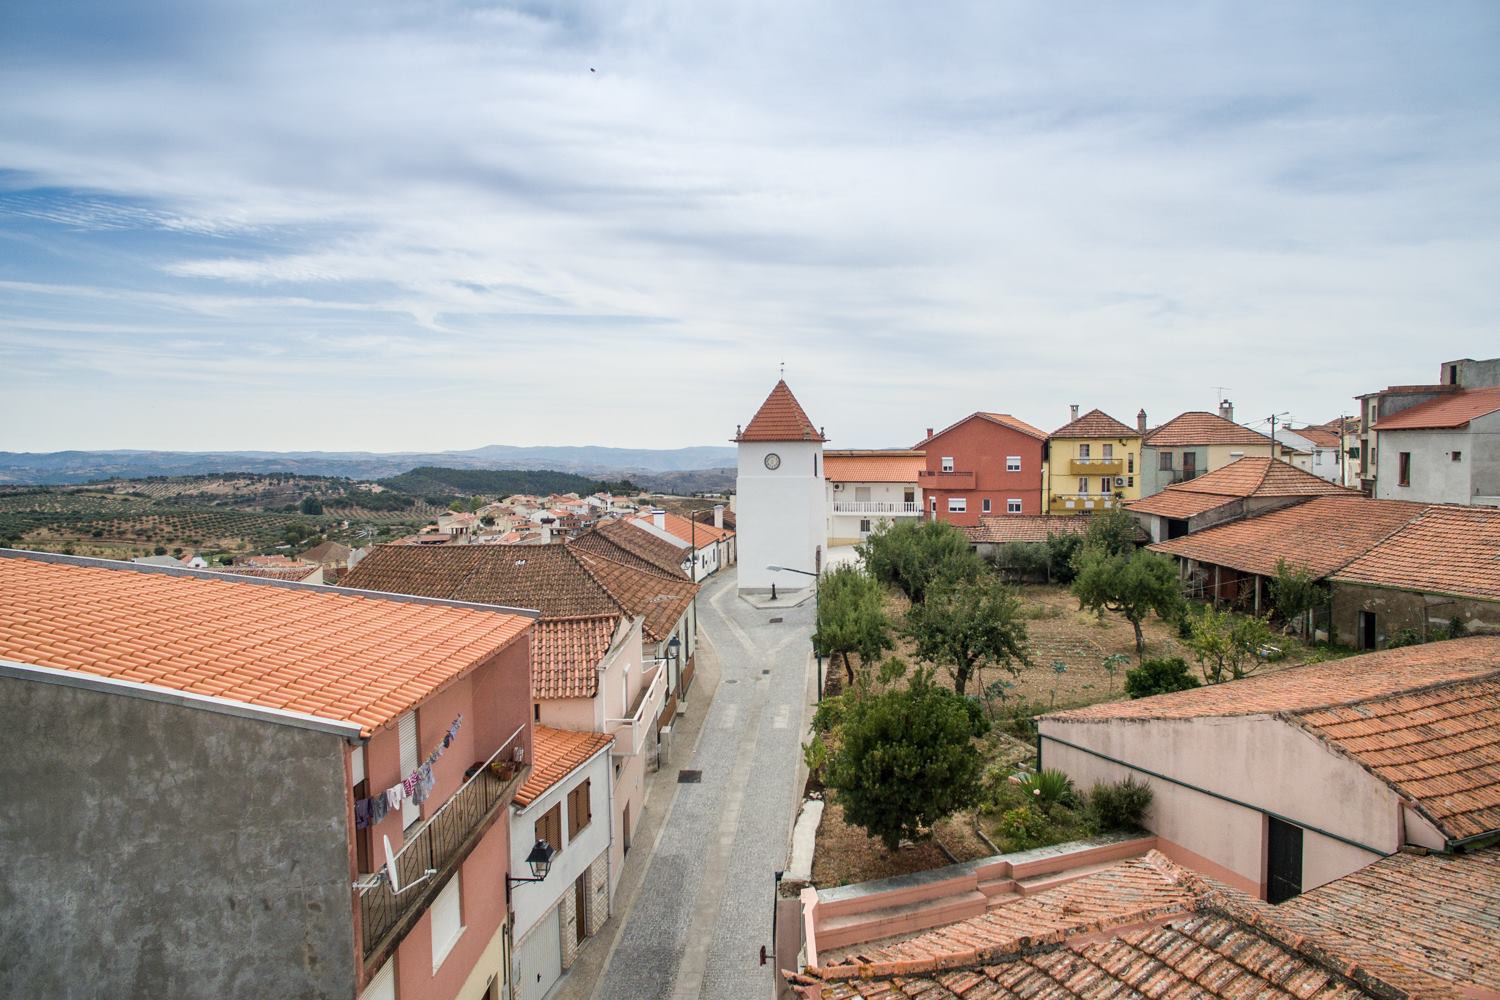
(390, 867)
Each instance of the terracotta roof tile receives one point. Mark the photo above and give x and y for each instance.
(686, 530)
(556, 753)
(1323, 437)
(1003, 419)
(1245, 477)
(1452, 410)
(1321, 535)
(624, 543)
(780, 418)
(1001, 528)
(659, 600)
(346, 657)
(873, 466)
(1446, 550)
(565, 655)
(1316, 685)
(1096, 424)
(1201, 427)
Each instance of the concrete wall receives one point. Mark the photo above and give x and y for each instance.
(843, 528)
(1435, 476)
(157, 850)
(1267, 765)
(780, 514)
(1428, 614)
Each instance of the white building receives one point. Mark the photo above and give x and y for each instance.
(869, 488)
(565, 802)
(1446, 450)
(781, 499)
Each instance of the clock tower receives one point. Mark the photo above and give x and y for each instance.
(780, 496)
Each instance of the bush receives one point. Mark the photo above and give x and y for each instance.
(1405, 636)
(1118, 805)
(1048, 787)
(1023, 828)
(1159, 677)
(1456, 628)
(1018, 719)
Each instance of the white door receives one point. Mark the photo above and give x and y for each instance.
(540, 957)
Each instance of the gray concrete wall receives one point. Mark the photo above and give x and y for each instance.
(1435, 477)
(1484, 457)
(149, 849)
(1394, 610)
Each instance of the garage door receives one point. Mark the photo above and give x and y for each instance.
(539, 957)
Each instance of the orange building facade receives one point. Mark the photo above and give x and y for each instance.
(986, 464)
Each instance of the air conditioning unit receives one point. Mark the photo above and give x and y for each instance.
(837, 487)
(1119, 480)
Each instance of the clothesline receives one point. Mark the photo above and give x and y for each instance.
(415, 786)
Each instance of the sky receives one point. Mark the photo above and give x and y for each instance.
(426, 225)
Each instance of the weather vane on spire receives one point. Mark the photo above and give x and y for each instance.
(781, 369)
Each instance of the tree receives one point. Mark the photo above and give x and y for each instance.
(906, 759)
(1294, 592)
(851, 617)
(969, 625)
(1112, 530)
(1132, 585)
(1159, 677)
(1227, 645)
(914, 556)
(311, 506)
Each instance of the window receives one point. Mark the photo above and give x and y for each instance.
(1083, 450)
(536, 712)
(1166, 462)
(934, 505)
(984, 505)
(1083, 485)
(1130, 462)
(1457, 456)
(815, 464)
(864, 526)
(580, 809)
(410, 811)
(1403, 472)
(1130, 481)
(549, 827)
(909, 495)
(947, 463)
(1013, 506)
(1012, 463)
(447, 920)
(957, 505)
(1109, 452)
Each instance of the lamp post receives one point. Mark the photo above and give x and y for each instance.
(540, 863)
(674, 654)
(817, 619)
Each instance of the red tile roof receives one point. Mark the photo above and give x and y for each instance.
(344, 657)
(1245, 477)
(1436, 913)
(555, 754)
(1314, 686)
(1321, 535)
(692, 532)
(1453, 410)
(1446, 550)
(780, 418)
(625, 543)
(565, 655)
(1201, 427)
(1003, 419)
(1002, 528)
(1323, 437)
(873, 466)
(1096, 424)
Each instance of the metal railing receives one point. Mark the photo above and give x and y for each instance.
(1084, 501)
(438, 844)
(638, 725)
(875, 507)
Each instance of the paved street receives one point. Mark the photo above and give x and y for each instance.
(704, 907)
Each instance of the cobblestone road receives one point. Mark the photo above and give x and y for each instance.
(704, 909)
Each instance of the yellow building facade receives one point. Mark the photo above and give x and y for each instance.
(1093, 464)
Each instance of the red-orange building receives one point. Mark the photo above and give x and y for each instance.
(986, 464)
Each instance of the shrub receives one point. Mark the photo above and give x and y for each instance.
(1456, 628)
(1023, 828)
(1048, 787)
(1159, 677)
(1404, 636)
(1118, 805)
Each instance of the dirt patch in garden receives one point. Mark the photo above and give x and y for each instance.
(846, 854)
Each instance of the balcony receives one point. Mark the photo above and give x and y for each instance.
(889, 507)
(1075, 503)
(631, 733)
(1097, 466)
(439, 844)
(1181, 475)
(945, 480)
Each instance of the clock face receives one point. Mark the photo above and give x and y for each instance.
(773, 461)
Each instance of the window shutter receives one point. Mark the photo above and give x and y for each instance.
(447, 920)
(410, 812)
(357, 765)
(382, 986)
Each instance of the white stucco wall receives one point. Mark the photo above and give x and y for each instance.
(843, 527)
(781, 514)
(530, 901)
(1435, 476)
(1266, 764)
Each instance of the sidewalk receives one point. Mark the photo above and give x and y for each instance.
(580, 982)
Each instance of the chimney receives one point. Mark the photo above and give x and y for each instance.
(1226, 409)
(929, 433)
(1073, 412)
(546, 534)
(1140, 421)
(718, 515)
(659, 518)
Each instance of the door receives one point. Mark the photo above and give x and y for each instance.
(1367, 630)
(540, 956)
(1283, 860)
(1189, 464)
(581, 908)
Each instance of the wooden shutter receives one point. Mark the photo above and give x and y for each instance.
(410, 811)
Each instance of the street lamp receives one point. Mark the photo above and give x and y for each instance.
(817, 619)
(540, 863)
(674, 652)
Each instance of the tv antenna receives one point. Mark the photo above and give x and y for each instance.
(1222, 389)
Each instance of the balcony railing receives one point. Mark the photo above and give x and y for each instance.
(945, 480)
(630, 733)
(440, 844)
(1064, 502)
(1096, 466)
(1182, 475)
(875, 507)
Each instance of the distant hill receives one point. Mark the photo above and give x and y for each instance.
(431, 481)
(64, 467)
